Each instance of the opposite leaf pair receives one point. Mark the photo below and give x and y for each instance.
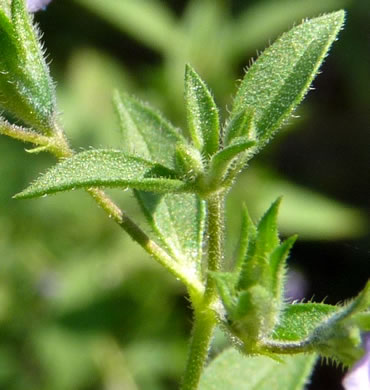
(272, 88)
(158, 162)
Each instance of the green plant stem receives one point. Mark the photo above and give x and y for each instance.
(138, 235)
(215, 216)
(59, 147)
(205, 318)
(204, 324)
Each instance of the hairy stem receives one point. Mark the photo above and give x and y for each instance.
(59, 147)
(204, 324)
(205, 318)
(215, 210)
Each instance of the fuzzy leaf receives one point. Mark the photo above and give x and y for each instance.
(202, 114)
(145, 132)
(177, 220)
(331, 331)
(104, 168)
(267, 230)
(277, 82)
(223, 160)
(26, 89)
(247, 238)
(277, 266)
(226, 283)
(232, 371)
(188, 161)
(241, 125)
(256, 267)
(300, 319)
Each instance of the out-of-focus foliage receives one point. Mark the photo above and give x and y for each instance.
(72, 315)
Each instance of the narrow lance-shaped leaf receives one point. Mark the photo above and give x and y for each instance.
(247, 239)
(224, 160)
(233, 371)
(257, 268)
(277, 82)
(268, 235)
(278, 267)
(27, 90)
(241, 125)
(202, 114)
(177, 220)
(145, 133)
(105, 168)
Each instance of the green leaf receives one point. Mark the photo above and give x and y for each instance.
(241, 125)
(226, 285)
(278, 266)
(224, 160)
(363, 321)
(233, 371)
(202, 114)
(256, 267)
(247, 238)
(277, 82)
(177, 220)
(145, 132)
(267, 230)
(300, 319)
(188, 161)
(27, 90)
(105, 168)
(331, 331)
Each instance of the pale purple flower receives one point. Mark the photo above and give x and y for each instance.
(358, 377)
(36, 5)
(296, 286)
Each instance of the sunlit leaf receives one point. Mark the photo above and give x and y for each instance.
(298, 320)
(31, 77)
(202, 114)
(145, 133)
(277, 82)
(178, 220)
(104, 168)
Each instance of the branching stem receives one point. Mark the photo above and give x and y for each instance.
(205, 318)
(59, 147)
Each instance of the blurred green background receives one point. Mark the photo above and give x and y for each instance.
(81, 306)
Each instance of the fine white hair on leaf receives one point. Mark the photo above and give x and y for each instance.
(37, 5)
